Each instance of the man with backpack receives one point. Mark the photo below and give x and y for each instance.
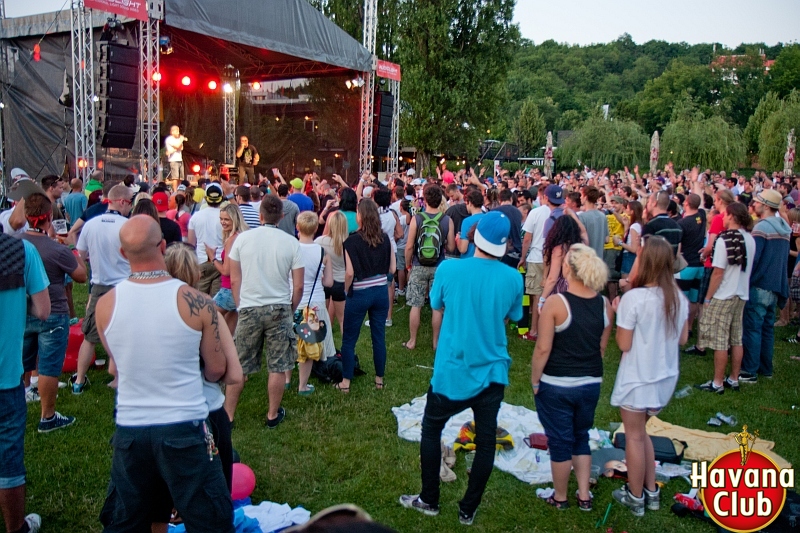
(429, 234)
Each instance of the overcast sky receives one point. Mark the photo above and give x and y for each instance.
(598, 21)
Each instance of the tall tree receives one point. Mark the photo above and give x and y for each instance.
(605, 143)
(530, 128)
(772, 139)
(744, 84)
(786, 70)
(769, 104)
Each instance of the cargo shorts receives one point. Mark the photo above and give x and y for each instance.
(270, 323)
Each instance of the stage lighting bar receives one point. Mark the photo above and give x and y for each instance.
(186, 81)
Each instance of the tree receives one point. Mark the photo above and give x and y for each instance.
(605, 143)
(529, 130)
(744, 84)
(772, 139)
(690, 139)
(769, 104)
(785, 72)
(455, 57)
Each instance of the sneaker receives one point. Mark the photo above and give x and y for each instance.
(308, 392)
(466, 519)
(767, 376)
(623, 496)
(561, 506)
(709, 386)
(57, 421)
(531, 337)
(73, 321)
(62, 385)
(272, 424)
(412, 501)
(32, 395)
(366, 323)
(694, 350)
(78, 388)
(653, 499)
(747, 377)
(34, 522)
(389, 324)
(400, 292)
(730, 384)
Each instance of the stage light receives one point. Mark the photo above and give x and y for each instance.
(156, 76)
(212, 85)
(349, 84)
(95, 98)
(2, 105)
(164, 45)
(37, 52)
(195, 168)
(306, 117)
(82, 163)
(256, 85)
(186, 81)
(227, 87)
(277, 119)
(100, 165)
(336, 155)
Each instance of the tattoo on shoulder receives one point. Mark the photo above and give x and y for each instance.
(198, 302)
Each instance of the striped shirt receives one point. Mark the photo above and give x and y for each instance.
(250, 215)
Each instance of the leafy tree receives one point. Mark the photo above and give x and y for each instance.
(568, 120)
(772, 140)
(786, 71)
(769, 104)
(603, 143)
(530, 128)
(744, 84)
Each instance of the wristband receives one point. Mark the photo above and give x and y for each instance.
(542, 299)
(535, 386)
(707, 301)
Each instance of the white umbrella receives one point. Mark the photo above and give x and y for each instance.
(548, 156)
(788, 158)
(654, 145)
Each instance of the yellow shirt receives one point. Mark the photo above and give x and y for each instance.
(199, 195)
(615, 228)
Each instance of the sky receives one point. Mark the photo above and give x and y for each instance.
(599, 21)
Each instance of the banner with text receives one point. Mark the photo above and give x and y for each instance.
(388, 70)
(128, 8)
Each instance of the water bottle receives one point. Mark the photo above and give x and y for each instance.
(684, 392)
(730, 420)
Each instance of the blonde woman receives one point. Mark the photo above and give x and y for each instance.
(567, 370)
(232, 225)
(332, 241)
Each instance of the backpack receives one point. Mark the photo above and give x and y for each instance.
(429, 239)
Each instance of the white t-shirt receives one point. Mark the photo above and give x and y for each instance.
(337, 261)
(311, 254)
(267, 256)
(534, 225)
(99, 239)
(387, 225)
(649, 371)
(4, 216)
(208, 231)
(634, 227)
(174, 142)
(735, 281)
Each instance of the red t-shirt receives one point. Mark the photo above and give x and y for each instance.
(717, 227)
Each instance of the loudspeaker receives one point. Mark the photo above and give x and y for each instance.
(118, 89)
(382, 123)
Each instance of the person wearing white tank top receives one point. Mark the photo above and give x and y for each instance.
(162, 438)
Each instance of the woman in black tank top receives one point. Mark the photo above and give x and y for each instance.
(567, 369)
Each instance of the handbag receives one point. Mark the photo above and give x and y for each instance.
(306, 324)
(536, 440)
(666, 450)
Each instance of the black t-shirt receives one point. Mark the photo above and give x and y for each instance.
(665, 227)
(746, 197)
(514, 235)
(95, 211)
(170, 229)
(694, 233)
(368, 261)
(248, 156)
(457, 214)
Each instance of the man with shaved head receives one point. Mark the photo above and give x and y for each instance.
(99, 242)
(164, 452)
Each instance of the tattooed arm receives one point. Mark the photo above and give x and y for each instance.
(198, 311)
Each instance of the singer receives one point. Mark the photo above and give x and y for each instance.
(174, 147)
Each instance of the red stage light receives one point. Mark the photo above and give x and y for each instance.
(186, 81)
(100, 165)
(195, 168)
(256, 85)
(37, 52)
(156, 76)
(212, 85)
(82, 163)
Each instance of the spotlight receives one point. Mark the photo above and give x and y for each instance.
(227, 87)
(2, 105)
(82, 163)
(95, 98)
(156, 76)
(186, 81)
(212, 85)
(256, 85)
(164, 45)
(195, 168)
(349, 84)
(359, 81)
(100, 164)
(277, 119)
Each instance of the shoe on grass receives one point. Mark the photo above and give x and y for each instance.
(272, 424)
(308, 392)
(709, 386)
(412, 501)
(34, 522)
(730, 384)
(652, 500)
(57, 421)
(465, 518)
(747, 377)
(78, 388)
(624, 496)
(32, 395)
(584, 505)
(694, 350)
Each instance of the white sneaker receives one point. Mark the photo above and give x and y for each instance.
(366, 324)
(31, 395)
(388, 322)
(34, 522)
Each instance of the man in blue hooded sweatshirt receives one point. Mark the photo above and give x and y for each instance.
(768, 286)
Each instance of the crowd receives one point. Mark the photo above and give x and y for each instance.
(232, 273)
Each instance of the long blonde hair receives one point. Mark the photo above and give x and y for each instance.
(239, 225)
(337, 231)
(182, 263)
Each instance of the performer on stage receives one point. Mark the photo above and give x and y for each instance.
(247, 157)
(174, 147)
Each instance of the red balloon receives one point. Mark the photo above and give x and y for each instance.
(243, 482)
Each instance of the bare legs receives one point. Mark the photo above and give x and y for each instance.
(582, 464)
(413, 327)
(639, 455)
(85, 355)
(305, 373)
(721, 363)
(12, 505)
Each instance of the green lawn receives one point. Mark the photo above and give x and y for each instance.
(334, 448)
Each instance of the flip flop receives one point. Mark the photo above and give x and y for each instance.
(379, 386)
(343, 390)
(407, 348)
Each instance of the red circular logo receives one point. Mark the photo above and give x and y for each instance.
(743, 498)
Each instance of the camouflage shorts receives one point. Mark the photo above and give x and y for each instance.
(272, 323)
(419, 283)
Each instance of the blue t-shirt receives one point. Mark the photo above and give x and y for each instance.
(15, 309)
(75, 205)
(304, 203)
(466, 225)
(472, 351)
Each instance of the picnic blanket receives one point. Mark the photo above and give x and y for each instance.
(263, 518)
(526, 464)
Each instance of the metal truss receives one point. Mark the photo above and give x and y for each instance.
(3, 80)
(230, 89)
(83, 90)
(394, 141)
(368, 89)
(150, 93)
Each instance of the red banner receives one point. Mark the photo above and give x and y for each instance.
(388, 70)
(129, 8)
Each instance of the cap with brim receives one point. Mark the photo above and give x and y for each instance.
(618, 199)
(770, 198)
(214, 194)
(555, 194)
(24, 188)
(297, 183)
(491, 233)
(18, 174)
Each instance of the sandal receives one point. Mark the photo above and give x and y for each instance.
(561, 506)
(343, 390)
(584, 505)
(379, 386)
(308, 392)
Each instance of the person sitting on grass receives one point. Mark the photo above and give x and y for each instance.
(567, 370)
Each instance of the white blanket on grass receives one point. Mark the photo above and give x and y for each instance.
(526, 464)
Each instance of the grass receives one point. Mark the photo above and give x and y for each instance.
(334, 448)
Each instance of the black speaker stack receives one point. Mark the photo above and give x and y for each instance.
(118, 108)
(382, 123)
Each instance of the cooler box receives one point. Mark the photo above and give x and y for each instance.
(73, 347)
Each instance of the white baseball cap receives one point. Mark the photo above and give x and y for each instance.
(19, 174)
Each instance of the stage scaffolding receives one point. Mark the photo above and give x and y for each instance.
(83, 90)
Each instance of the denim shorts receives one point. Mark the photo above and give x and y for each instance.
(12, 437)
(336, 292)
(567, 414)
(48, 339)
(224, 300)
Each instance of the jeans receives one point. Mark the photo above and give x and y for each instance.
(12, 437)
(567, 414)
(759, 331)
(48, 339)
(438, 410)
(375, 301)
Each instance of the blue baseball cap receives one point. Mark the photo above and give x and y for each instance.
(491, 233)
(555, 194)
